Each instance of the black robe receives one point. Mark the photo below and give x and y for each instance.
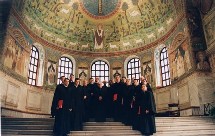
(100, 108)
(55, 99)
(147, 120)
(117, 90)
(92, 100)
(79, 108)
(62, 116)
(86, 110)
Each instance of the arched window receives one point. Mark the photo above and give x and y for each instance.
(165, 71)
(65, 68)
(133, 68)
(100, 69)
(33, 66)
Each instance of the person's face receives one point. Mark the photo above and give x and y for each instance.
(128, 82)
(91, 80)
(97, 79)
(135, 82)
(117, 79)
(62, 79)
(124, 80)
(66, 82)
(71, 77)
(201, 57)
(100, 85)
(77, 82)
(85, 82)
(144, 88)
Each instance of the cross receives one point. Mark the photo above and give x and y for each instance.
(100, 7)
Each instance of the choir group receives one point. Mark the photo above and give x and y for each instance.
(130, 102)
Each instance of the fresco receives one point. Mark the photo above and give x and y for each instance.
(147, 71)
(180, 61)
(65, 23)
(16, 57)
(51, 72)
(209, 31)
(82, 74)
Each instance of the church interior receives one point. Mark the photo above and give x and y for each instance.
(169, 42)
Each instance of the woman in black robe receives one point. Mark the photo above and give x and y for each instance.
(146, 111)
(63, 109)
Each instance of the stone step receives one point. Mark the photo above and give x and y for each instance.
(106, 132)
(28, 127)
(26, 132)
(100, 128)
(185, 128)
(27, 123)
(186, 133)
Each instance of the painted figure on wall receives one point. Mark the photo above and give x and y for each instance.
(180, 60)
(147, 69)
(202, 62)
(15, 56)
(82, 75)
(99, 36)
(51, 73)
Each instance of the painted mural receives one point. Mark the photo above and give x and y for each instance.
(147, 71)
(16, 57)
(202, 61)
(209, 31)
(51, 73)
(82, 74)
(65, 22)
(180, 61)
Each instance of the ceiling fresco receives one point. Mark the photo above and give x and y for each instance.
(98, 25)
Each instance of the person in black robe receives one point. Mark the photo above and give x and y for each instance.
(64, 107)
(91, 98)
(128, 97)
(134, 103)
(71, 80)
(55, 97)
(117, 96)
(100, 100)
(86, 96)
(109, 100)
(78, 109)
(146, 111)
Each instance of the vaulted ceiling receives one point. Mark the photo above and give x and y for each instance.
(73, 24)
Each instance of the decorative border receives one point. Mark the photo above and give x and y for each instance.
(100, 17)
(92, 54)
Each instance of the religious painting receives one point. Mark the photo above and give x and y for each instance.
(212, 62)
(15, 56)
(179, 59)
(202, 61)
(209, 31)
(116, 72)
(82, 74)
(147, 71)
(51, 72)
(99, 36)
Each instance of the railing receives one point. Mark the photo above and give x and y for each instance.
(207, 108)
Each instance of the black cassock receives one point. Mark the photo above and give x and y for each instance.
(100, 108)
(78, 109)
(62, 116)
(86, 112)
(55, 99)
(117, 95)
(146, 122)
